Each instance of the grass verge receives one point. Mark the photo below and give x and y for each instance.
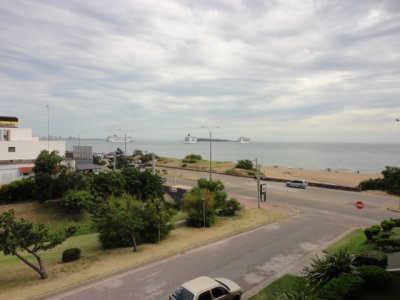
(284, 284)
(354, 242)
(17, 281)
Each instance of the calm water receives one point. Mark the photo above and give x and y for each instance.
(367, 158)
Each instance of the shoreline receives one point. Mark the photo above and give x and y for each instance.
(342, 178)
(327, 176)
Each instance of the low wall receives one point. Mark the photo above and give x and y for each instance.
(320, 185)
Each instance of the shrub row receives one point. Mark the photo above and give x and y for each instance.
(345, 286)
(375, 277)
(376, 258)
(18, 190)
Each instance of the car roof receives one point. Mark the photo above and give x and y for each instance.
(200, 284)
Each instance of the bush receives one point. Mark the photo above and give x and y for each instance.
(18, 190)
(192, 158)
(345, 286)
(376, 258)
(396, 222)
(389, 245)
(71, 254)
(372, 231)
(74, 201)
(375, 277)
(229, 208)
(388, 225)
(323, 270)
(372, 184)
(244, 164)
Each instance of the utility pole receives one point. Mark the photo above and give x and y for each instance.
(210, 132)
(258, 182)
(154, 164)
(48, 128)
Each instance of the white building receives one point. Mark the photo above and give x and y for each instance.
(19, 149)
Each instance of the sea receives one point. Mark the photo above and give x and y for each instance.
(341, 157)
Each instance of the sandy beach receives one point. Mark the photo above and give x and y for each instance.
(330, 177)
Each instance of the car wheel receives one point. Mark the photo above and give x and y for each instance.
(236, 298)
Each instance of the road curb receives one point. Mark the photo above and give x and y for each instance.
(297, 267)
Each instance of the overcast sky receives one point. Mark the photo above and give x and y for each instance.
(271, 70)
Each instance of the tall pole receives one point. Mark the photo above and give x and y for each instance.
(258, 183)
(210, 132)
(398, 120)
(210, 153)
(48, 128)
(125, 142)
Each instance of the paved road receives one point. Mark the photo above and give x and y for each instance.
(253, 257)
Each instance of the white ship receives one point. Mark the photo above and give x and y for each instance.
(119, 139)
(190, 139)
(243, 140)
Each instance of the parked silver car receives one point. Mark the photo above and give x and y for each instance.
(206, 288)
(297, 184)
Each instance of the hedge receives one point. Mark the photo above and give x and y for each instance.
(372, 231)
(18, 190)
(375, 277)
(376, 258)
(345, 286)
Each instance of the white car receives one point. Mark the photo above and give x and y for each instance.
(206, 288)
(297, 184)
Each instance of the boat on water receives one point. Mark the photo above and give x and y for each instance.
(244, 140)
(190, 139)
(119, 139)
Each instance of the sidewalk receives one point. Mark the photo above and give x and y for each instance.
(250, 202)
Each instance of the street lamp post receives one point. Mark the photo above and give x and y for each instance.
(398, 120)
(258, 182)
(203, 199)
(48, 128)
(210, 129)
(125, 132)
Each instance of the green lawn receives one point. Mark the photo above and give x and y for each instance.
(278, 287)
(355, 242)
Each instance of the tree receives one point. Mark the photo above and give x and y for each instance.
(106, 184)
(47, 163)
(43, 189)
(156, 221)
(75, 201)
(223, 207)
(16, 236)
(150, 186)
(122, 161)
(70, 180)
(118, 221)
(132, 181)
(199, 204)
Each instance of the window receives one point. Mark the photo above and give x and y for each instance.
(11, 149)
(219, 292)
(6, 135)
(205, 296)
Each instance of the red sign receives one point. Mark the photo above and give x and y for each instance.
(359, 205)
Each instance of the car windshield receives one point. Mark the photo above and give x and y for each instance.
(181, 293)
(223, 284)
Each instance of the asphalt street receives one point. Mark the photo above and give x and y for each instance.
(251, 258)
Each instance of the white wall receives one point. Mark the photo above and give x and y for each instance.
(22, 134)
(9, 173)
(29, 150)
